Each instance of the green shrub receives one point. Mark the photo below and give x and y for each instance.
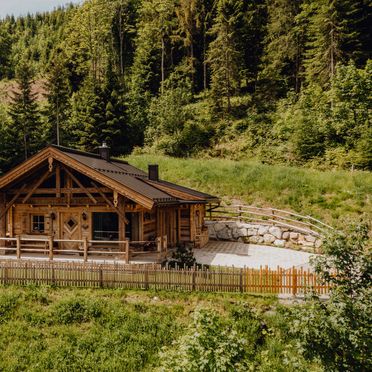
(76, 310)
(8, 302)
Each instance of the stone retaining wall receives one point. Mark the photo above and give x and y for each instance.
(262, 234)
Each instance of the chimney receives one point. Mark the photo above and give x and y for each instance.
(104, 151)
(154, 172)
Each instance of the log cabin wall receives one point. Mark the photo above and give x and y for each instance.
(2, 216)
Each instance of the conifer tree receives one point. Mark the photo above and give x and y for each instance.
(87, 117)
(284, 47)
(58, 94)
(323, 50)
(24, 132)
(224, 56)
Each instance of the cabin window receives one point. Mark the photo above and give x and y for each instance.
(37, 224)
(105, 226)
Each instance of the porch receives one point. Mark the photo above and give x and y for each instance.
(100, 251)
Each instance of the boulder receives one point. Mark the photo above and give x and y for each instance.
(279, 243)
(212, 234)
(251, 232)
(305, 243)
(262, 230)
(224, 234)
(219, 226)
(242, 232)
(256, 239)
(274, 230)
(293, 235)
(318, 243)
(268, 238)
(285, 235)
(310, 238)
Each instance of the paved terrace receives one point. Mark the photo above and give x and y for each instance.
(217, 253)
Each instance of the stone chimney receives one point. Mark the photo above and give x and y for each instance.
(104, 151)
(154, 172)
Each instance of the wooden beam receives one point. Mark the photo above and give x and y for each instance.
(8, 205)
(68, 184)
(58, 181)
(36, 185)
(110, 203)
(80, 185)
(2, 220)
(62, 190)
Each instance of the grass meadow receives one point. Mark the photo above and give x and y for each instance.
(61, 329)
(328, 195)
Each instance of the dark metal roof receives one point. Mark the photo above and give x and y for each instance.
(134, 178)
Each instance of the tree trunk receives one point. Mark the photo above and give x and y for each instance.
(162, 65)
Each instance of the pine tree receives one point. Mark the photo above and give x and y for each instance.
(284, 47)
(224, 56)
(58, 94)
(189, 24)
(323, 50)
(87, 117)
(24, 132)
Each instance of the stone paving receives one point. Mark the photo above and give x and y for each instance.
(235, 254)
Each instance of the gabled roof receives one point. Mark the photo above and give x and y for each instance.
(115, 174)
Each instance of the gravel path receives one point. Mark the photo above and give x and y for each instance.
(250, 255)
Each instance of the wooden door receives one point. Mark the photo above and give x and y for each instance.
(71, 229)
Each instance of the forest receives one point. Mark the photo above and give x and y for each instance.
(281, 81)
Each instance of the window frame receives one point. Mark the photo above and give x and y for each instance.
(39, 222)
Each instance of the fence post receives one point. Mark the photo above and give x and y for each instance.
(50, 242)
(127, 253)
(294, 281)
(85, 247)
(100, 277)
(194, 278)
(146, 278)
(241, 281)
(18, 247)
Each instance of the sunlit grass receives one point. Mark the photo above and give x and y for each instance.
(328, 195)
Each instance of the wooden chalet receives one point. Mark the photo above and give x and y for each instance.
(68, 201)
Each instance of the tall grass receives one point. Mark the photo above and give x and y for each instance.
(44, 328)
(328, 195)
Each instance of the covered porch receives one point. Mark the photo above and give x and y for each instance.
(51, 249)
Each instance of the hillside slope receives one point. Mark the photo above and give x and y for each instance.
(328, 195)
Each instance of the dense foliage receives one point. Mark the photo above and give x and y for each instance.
(278, 80)
(338, 332)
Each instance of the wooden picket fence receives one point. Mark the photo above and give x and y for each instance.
(152, 276)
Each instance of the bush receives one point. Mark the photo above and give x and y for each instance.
(209, 345)
(74, 310)
(8, 303)
(338, 332)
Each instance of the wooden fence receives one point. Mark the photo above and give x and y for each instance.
(270, 216)
(264, 280)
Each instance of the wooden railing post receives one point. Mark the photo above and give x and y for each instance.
(85, 248)
(159, 246)
(127, 253)
(50, 242)
(18, 246)
(165, 245)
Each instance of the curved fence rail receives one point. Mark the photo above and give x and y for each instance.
(268, 216)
